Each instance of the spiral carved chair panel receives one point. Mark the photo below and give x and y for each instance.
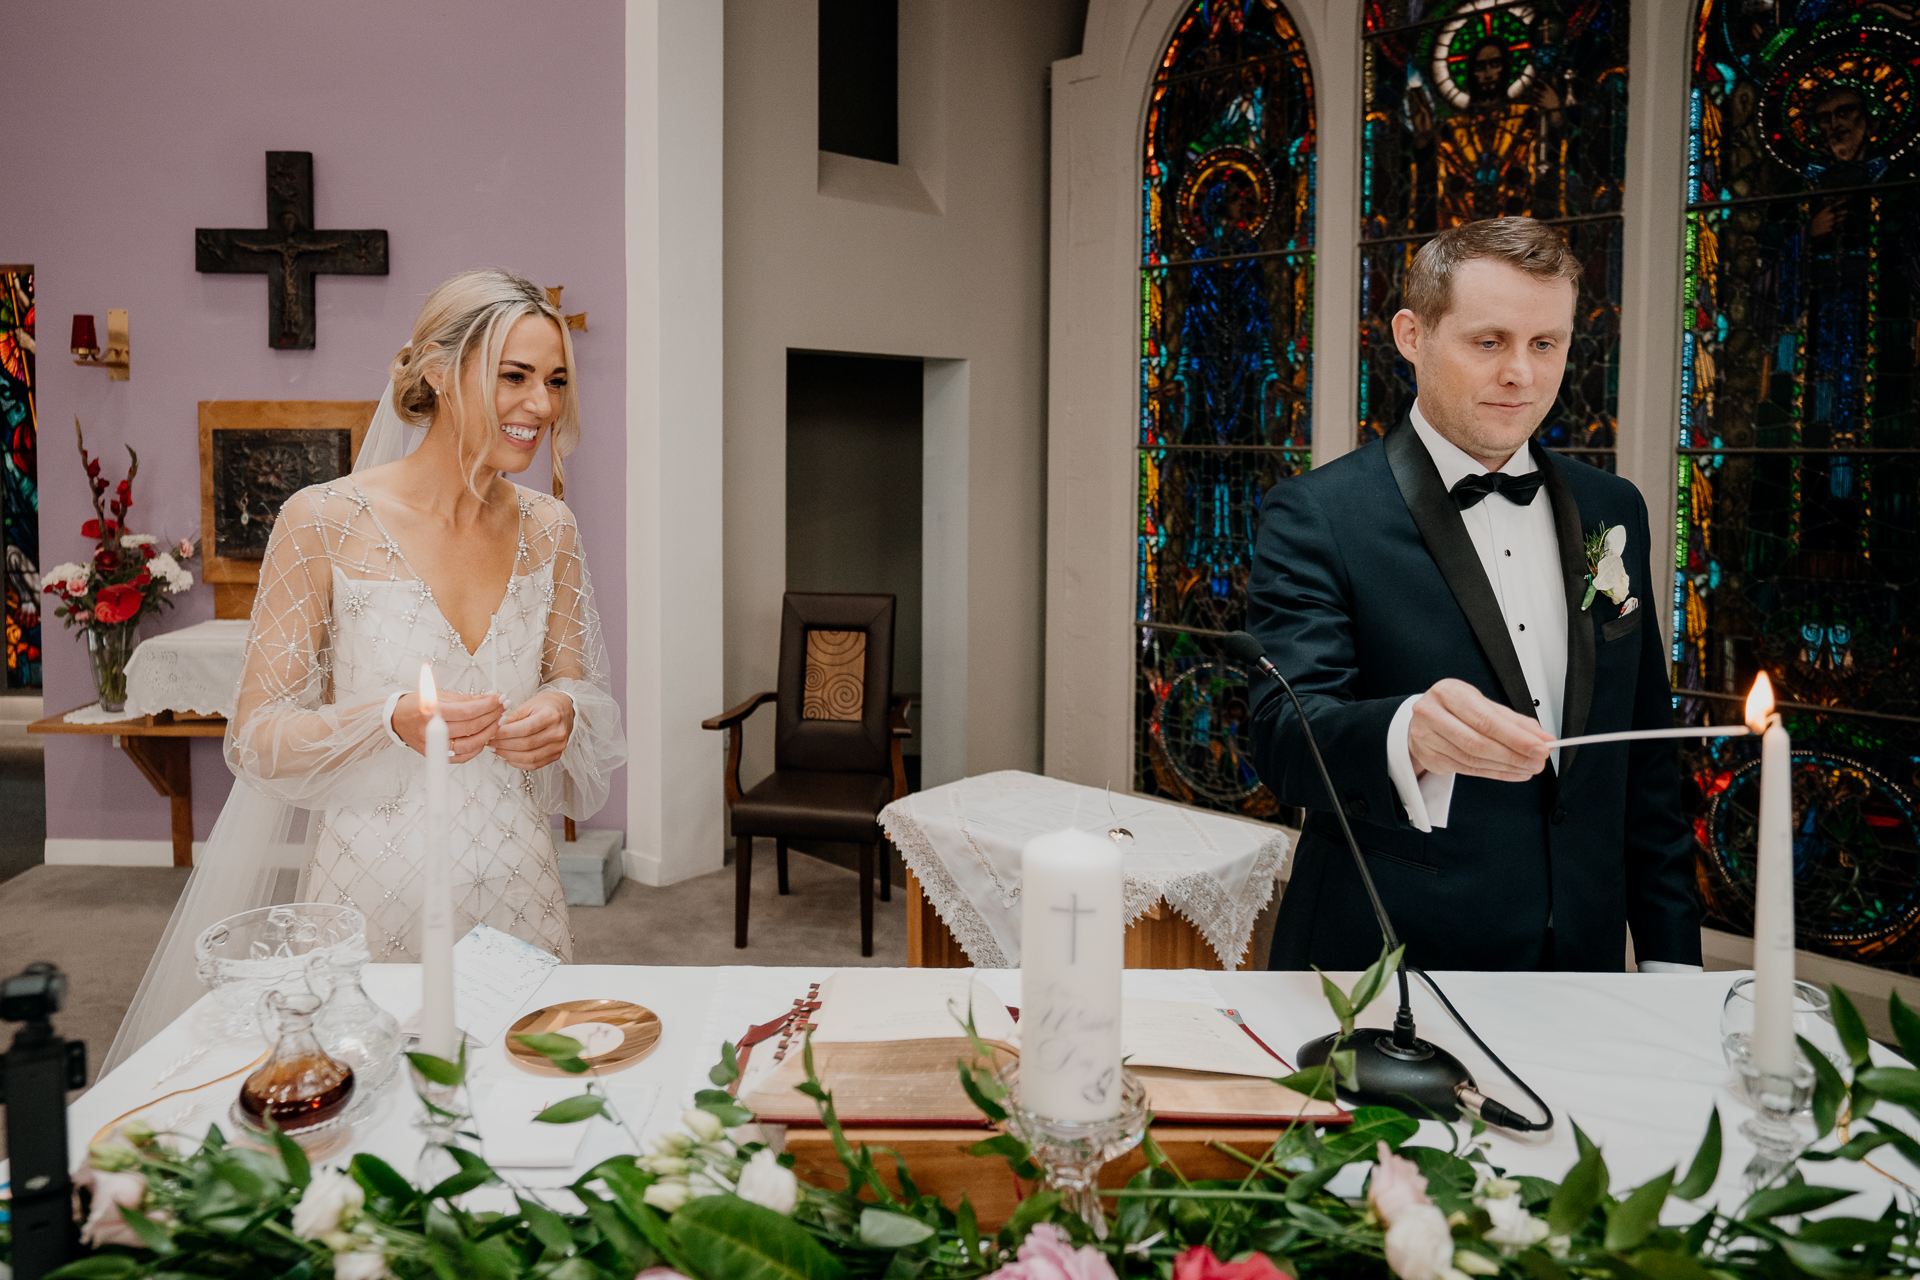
(836, 675)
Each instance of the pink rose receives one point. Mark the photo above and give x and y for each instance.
(110, 1192)
(1046, 1255)
(1397, 1186)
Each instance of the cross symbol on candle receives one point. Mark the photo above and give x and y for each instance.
(1073, 914)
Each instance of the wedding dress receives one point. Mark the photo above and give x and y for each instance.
(341, 624)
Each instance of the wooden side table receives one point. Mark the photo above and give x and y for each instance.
(1161, 939)
(158, 745)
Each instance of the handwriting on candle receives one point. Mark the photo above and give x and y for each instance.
(1073, 914)
(1055, 1038)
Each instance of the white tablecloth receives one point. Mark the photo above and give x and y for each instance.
(1633, 1058)
(195, 669)
(963, 841)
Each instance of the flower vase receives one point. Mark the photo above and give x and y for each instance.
(108, 651)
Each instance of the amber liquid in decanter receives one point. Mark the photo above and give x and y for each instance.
(299, 1086)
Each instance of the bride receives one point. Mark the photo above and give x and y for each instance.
(425, 555)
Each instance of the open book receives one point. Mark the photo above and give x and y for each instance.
(888, 1044)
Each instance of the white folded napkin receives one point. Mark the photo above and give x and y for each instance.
(515, 1139)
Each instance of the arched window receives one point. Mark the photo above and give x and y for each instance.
(1226, 375)
(1798, 542)
(1484, 108)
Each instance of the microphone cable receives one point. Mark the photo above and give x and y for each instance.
(1491, 1110)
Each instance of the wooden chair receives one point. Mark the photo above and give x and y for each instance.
(837, 735)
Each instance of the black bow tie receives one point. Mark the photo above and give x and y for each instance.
(1518, 490)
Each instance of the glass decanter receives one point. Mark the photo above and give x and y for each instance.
(299, 1086)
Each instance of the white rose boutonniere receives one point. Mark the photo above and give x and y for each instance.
(1605, 570)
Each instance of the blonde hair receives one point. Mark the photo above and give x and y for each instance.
(469, 317)
(1533, 247)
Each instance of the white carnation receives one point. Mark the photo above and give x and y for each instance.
(179, 582)
(163, 565)
(1420, 1244)
(360, 1265)
(72, 576)
(765, 1181)
(138, 540)
(328, 1200)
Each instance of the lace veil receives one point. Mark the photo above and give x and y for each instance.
(292, 751)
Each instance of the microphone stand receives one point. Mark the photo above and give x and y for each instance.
(1390, 1067)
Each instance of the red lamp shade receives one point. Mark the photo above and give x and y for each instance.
(83, 336)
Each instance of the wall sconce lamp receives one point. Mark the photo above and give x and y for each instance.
(115, 359)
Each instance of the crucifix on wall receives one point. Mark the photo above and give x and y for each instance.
(290, 251)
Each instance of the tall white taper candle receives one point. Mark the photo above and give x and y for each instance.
(437, 1034)
(1773, 1046)
(1072, 945)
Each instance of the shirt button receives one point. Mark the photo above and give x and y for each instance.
(1523, 626)
(1559, 814)
(1536, 702)
(1508, 553)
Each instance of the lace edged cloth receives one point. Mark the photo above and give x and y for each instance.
(963, 842)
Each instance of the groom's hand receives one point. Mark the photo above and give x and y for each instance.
(471, 720)
(1458, 729)
(535, 733)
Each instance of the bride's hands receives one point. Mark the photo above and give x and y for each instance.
(471, 720)
(534, 733)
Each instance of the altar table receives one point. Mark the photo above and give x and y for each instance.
(158, 747)
(1634, 1059)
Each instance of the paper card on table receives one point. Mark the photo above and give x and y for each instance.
(1191, 1037)
(494, 975)
(868, 1005)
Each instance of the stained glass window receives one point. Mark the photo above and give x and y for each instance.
(19, 493)
(1226, 368)
(1798, 539)
(1481, 109)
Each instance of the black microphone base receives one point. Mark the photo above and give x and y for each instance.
(1419, 1083)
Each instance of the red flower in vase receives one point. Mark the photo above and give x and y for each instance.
(145, 577)
(91, 529)
(117, 604)
(106, 559)
(1199, 1263)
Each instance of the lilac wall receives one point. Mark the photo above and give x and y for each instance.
(482, 133)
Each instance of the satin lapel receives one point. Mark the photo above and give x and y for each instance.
(1452, 550)
(1577, 697)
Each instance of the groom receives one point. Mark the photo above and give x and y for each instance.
(1428, 598)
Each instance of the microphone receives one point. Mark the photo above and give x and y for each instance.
(1392, 1067)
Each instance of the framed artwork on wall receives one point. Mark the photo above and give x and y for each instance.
(254, 455)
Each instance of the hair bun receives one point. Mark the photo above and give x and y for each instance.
(405, 355)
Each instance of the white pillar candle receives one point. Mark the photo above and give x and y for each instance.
(1773, 991)
(437, 1035)
(1072, 949)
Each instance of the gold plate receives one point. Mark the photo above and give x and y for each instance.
(641, 1027)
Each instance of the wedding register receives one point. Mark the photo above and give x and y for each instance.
(887, 1043)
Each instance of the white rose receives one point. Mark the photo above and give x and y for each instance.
(1420, 1244)
(705, 1125)
(1611, 577)
(360, 1266)
(326, 1201)
(1513, 1227)
(1616, 540)
(765, 1181)
(667, 1196)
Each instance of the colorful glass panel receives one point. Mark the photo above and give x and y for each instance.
(1482, 109)
(19, 486)
(1226, 368)
(1798, 547)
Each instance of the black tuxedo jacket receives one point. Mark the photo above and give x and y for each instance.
(1366, 589)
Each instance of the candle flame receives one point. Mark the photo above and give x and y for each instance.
(430, 697)
(1760, 703)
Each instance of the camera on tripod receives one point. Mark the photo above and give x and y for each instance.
(35, 1075)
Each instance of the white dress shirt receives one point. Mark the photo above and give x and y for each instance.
(1520, 551)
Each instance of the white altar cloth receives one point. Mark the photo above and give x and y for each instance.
(1634, 1059)
(963, 842)
(195, 669)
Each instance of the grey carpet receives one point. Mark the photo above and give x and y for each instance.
(101, 924)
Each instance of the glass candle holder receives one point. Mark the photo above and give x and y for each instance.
(1812, 1020)
(1070, 1153)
